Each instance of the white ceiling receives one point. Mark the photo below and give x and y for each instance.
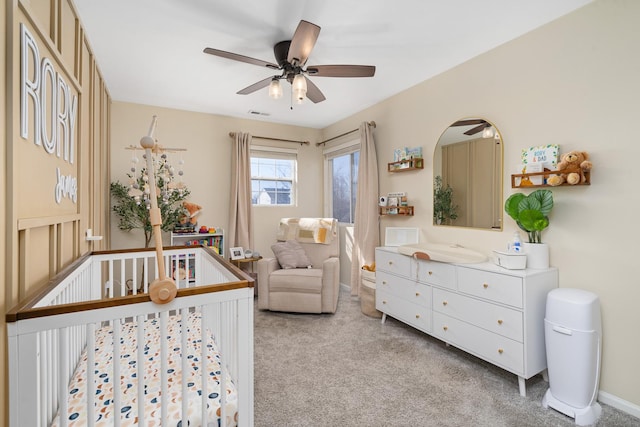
(150, 51)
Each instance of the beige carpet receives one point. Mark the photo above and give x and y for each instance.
(348, 369)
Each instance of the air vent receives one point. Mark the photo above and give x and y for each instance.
(258, 113)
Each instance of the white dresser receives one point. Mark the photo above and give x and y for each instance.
(491, 312)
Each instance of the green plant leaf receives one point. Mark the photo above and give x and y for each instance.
(511, 205)
(545, 200)
(533, 220)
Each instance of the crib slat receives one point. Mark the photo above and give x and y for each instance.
(117, 390)
(223, 372)
(91, 381)
(184, 350)
(163, 367)
(63, 391)
(203, 372)
(140, 367)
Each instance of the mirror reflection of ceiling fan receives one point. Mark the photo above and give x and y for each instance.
(291, 56)
(481, 125)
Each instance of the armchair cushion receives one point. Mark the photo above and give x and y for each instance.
(291, 255)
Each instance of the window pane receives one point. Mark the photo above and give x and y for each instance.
(272, 181)
(341, 185)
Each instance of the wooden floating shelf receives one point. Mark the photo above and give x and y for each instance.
(396, 210)
(406, 165)
(545, 175)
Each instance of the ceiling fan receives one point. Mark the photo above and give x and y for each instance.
(291, 56)
(481, 125)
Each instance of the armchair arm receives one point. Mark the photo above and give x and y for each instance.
(266, 266)
(330, 284)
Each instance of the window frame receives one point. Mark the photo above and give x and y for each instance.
(265, 152)
(330, 153)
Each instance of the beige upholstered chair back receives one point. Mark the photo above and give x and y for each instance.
(318, 252)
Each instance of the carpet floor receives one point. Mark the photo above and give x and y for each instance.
(348, 369)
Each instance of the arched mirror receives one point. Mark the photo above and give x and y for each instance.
(467, 175)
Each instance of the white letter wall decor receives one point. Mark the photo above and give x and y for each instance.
(55, 110)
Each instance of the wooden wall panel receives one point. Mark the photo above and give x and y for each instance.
(67, 33)
(43, 236)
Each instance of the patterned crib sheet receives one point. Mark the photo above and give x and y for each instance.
(77, 414)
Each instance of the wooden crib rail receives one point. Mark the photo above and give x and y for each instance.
(33, 306)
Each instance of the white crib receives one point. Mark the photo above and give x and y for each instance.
(199, 373)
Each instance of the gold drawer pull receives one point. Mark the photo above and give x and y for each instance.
(444, 303)
(500, 351)
(445, 328)
(484, 285)
(384, 282)
(499, 321)
(430, 273)
(384, 302)
(417, 316)
(390, 262)
(417, 294)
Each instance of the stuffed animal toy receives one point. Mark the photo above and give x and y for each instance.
(194, 210)
(572, 167)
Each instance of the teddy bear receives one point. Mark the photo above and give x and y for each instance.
(572, 166)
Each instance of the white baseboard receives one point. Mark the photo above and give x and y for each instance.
(621, 404)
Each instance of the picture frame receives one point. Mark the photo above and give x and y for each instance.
(236, 253)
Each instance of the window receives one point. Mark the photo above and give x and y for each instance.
(342, 167)
(273, 174)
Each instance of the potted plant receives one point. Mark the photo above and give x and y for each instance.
(133, 212)
(444, 211)
(531, 214)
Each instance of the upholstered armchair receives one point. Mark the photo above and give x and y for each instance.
(304, 276)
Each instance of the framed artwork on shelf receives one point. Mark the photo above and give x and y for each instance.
(237, 253)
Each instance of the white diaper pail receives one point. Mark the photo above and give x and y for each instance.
(573, 338)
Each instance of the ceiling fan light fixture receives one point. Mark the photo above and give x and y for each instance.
(299, 87)
(488, 132)
(275, 90)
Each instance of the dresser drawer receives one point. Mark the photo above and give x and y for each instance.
(501, 320)
(491, 286)
(418, 316)
(403, 288)
(494, 348)
(393, 262)
(434, 273)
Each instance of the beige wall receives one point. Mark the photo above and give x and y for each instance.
(207, 166)
(574, 82)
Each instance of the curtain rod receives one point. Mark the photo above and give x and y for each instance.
(371, 123)
(233, 134)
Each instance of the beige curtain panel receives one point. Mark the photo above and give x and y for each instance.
(240, 217)
(366, 234)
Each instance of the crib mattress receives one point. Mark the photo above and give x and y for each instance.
(77, 414)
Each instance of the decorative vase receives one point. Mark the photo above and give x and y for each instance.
(537, 255)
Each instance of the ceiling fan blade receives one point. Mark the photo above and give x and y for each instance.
(477, 129)
(256, 86)
(313, 93)
(341, 70)
(302, 43)
(241, 58)
(468, 122)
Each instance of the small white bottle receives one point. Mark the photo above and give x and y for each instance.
(516, 243)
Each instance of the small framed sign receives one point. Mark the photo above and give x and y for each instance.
(237, 253)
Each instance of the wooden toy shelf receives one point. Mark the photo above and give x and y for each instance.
(545, 175)
(396, 210)
(406, 165)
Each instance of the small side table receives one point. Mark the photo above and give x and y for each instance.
(238, 263)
